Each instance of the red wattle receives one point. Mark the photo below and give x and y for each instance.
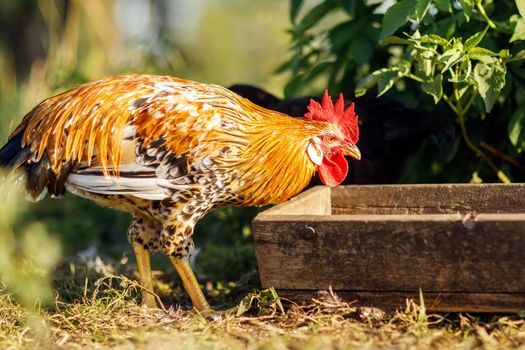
(334, 169)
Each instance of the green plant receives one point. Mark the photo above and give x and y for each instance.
(25, 267)
(459, 57)
(28, 255)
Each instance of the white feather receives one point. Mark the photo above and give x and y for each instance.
(123, 168)
(129, 131)
(149, 185)
(150, 188)
(315, 153)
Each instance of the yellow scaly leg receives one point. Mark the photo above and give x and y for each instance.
(144, 265)
(191, 285)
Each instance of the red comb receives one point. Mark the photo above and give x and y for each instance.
(347, 120)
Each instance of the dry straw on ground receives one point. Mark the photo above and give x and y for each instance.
(102, 312)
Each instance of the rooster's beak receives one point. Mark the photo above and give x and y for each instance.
(352, 151)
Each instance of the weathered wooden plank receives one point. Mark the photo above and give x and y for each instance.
(434, 302)
(463, 245)
(315, 201)
(439, 253)
(428, 199)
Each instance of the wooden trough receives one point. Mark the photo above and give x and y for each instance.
(462, 245)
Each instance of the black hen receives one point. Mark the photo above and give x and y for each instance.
(389, 132)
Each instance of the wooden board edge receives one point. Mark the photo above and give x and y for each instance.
(314, 201)
(416, 218)
(475, 187)
(434, 302)
(429, 198)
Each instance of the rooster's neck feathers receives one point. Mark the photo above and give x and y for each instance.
(274, 165)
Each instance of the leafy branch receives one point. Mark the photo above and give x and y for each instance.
(465, 54)
(461, 112)
(436, 62)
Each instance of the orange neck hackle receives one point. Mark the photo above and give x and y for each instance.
(275, 165)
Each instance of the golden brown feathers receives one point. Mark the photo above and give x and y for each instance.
(100, 123)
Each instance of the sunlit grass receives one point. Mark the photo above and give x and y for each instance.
(102, 311)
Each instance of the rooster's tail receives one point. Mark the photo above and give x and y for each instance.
(40, 178)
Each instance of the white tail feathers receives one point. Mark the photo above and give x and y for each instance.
(134, 180)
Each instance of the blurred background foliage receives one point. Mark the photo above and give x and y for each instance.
(47, 46)
(24, 266)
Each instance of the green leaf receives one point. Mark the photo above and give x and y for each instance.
(443, 5)
(314, 15)
(295, 7)
(465, 69)
(519, 30)
(521, 7)
(404, 67)
(245, 304)
(335, 72)
(388, 76)
(386, 81)
(475, 39)
(421, 9)
(516, 130)
(450, 57)
(505, 53)
(475, 178)
(361, 50)
(396, 16)
(296, 63)
(446, 27)
(366, 83)
(294, 86)
(353, 7)
(434, 87)
(468, 8)
(318, 69)
(482, 51)
(358, 92)
(396, 40)
(482, 55)
(425, 63)
(384, 78)
(342, 34)
(490, 79)
(433, 39)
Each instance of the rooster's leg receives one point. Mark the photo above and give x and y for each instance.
(191, 284)
(144, 265)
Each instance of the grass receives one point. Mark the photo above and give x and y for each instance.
(96, 307)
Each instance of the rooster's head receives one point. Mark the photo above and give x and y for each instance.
(337, 139)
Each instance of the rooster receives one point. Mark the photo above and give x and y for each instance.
(169, 150)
